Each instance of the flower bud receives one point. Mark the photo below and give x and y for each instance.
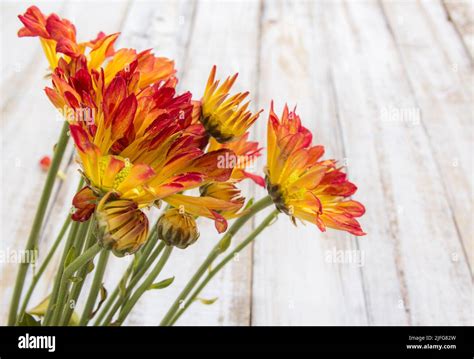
(124, 225)
(177, 228)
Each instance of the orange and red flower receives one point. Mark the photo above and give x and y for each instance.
(304, 186)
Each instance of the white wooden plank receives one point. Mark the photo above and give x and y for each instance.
(448, 96)
(294, 281)
(414, 197)
(445, 99)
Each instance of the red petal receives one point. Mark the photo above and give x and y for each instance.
(219, 221)
(216, 165)
(344, 189)
(80, 137)
(256, 178)
(35, 23)
(84, 202)
(123, 117)
(354, 208)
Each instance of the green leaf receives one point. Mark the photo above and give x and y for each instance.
(71, 255)
(29, 321)
(163, 284)
(90, 267)
(249, 203)
(103, 297)
(74, 321)
(207, 301)
(41, 308)
(75, 279)
(123, 286)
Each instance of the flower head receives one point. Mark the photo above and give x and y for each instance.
(304, 186)
(125, 227)
(58, 39)
(224, 117)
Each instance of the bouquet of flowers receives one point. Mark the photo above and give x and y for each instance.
(139, 145)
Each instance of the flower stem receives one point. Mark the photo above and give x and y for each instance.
(134, 281)
(77, 286)
(67, 246)
(265, 223)
(145, 285)
(70, 240)
(94, 290)
(43, 266)
(38, 220)
(68, 273)
(215, 252)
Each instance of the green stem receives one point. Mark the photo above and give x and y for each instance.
(77, 286)
(135, 279)
(43, 266)
(141, 269)
(147, 248)
(38, 220)
(105, 309)
(68, 273)
(94, 290)
(265, 223)
(215, 252)
(145, 285)
(57, 281)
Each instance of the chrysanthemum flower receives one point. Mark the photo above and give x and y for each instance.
(304, 186)
(225, 118)
(141, 146)
(58, 39)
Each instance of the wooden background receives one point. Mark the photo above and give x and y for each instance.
(386, 86)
